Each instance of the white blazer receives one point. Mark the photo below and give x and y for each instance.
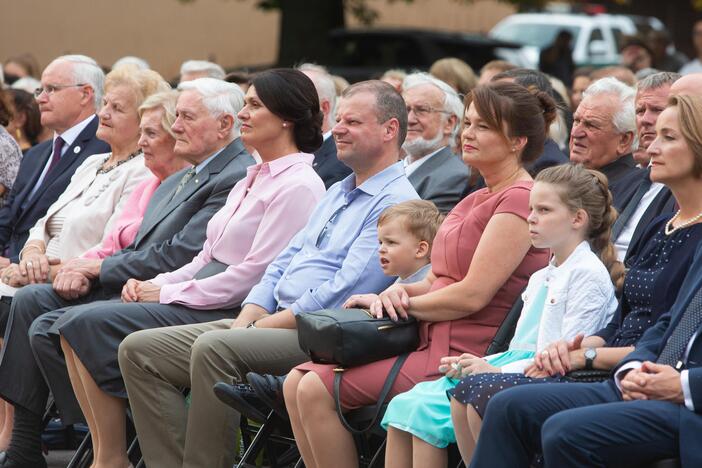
(96, 202)
(580, 299)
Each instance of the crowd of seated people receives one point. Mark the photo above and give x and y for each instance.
(159, 242)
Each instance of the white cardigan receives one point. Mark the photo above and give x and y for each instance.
(580, 299)
(96, 202)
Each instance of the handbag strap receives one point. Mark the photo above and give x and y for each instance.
(387, 386)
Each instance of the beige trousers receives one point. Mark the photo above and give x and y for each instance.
(157, 364)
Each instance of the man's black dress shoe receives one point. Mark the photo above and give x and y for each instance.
(242, 398)
(7, 462)
(269, 388)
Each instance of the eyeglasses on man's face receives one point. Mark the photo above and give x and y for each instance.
(423, 111)
(51, 89)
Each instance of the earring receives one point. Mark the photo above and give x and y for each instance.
(285, 124)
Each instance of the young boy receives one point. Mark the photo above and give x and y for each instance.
(405, 232)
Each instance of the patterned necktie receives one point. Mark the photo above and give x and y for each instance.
(674, 348)
(188, 175)
(56, 155)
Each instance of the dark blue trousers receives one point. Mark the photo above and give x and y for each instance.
(576, 425)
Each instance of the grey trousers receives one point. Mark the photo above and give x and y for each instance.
(29, 361)
(156, 364)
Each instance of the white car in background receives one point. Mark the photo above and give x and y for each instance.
(596, 38)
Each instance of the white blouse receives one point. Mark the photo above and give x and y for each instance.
(580, 299)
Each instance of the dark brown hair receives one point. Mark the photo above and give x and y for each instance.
(25, 103)
(291, 95)
(6, 108)
(515, 111)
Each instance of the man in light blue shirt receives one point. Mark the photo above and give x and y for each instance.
(333, 257)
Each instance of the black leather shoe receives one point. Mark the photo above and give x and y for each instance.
(7, 462)
(269, 388)
(242, 398)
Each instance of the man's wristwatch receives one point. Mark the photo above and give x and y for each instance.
(590, 355)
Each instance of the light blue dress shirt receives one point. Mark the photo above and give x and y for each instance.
(336, 254)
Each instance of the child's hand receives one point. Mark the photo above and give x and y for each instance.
(448, 366)
(476, 365)
(360, 301)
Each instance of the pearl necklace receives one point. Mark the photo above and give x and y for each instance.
(668, 226)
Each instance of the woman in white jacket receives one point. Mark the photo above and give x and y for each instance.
(571, 214)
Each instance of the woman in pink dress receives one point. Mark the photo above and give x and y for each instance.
(481, 260)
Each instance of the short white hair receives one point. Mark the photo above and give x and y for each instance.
(624, 119)
(139, 63)
(86, 71)
(452, 102)
(324, 85)
(212, 70)
(218, 97)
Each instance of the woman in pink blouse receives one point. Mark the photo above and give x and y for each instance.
(282, 121)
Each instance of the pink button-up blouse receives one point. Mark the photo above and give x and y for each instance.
(262, 213)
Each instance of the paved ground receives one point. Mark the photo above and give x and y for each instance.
(59, 458)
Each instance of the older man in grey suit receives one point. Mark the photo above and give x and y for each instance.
(171, 234)
(434, 112)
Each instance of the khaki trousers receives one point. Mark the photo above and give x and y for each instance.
(156, 364)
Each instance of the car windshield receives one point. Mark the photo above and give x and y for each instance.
(531, 34)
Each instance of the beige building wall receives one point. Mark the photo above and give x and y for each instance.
(167, 32)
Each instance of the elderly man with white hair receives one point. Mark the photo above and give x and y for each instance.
(434, 113)
(603, 134)
(194, 69)
(326, 163)
(69, 95)
(171, 234)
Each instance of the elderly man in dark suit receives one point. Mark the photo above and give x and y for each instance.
(604, 129)
(326, 163)
(434, 112)
(171, 234)
(649, 410)
(70, 93)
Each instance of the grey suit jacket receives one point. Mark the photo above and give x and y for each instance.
(442, 179)
(174, 227)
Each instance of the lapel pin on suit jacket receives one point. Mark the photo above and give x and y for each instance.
(76, 150)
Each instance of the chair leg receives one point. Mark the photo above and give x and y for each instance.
(379, 454)
(258, 442)
(84, 454)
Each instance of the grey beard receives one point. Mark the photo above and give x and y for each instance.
(420, 147)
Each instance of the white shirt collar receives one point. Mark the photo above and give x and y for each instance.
(326, 135)
(410, 167)
(70, 135)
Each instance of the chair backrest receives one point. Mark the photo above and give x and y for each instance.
(500, 342)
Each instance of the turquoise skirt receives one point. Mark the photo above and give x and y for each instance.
(425, 412)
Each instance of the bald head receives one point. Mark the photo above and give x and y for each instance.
(688, 84)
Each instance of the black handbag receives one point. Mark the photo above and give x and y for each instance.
(353, 337)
